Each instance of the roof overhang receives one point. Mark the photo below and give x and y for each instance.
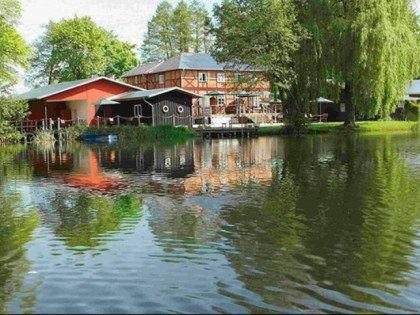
(129, 96)
(81, 84)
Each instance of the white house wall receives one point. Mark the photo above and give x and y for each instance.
(78, 109)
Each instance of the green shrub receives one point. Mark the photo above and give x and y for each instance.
(129, 134)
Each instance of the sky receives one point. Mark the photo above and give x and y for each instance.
(127, 18)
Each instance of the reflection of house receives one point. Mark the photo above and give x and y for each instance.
(87, 174)
(174, 162)
(73, 100)
(218, 166)
(201, 74)
(75, 168)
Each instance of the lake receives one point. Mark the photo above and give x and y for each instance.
(314, 224)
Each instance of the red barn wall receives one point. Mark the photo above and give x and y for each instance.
(90, 92)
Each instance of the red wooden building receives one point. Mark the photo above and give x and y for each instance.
(72, 101)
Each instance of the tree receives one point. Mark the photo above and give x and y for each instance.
(120, 57)
(75, 49)
(181, 20)
(11, 110)
(158, 42)
(13, 49)
(201, 26)
(78, 47)
(42, 70)
(369, 49)
(263, 34)
(172, 31)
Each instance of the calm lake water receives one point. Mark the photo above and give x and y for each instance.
(296, 225)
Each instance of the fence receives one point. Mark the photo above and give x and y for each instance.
(57, 124)
(46, 124)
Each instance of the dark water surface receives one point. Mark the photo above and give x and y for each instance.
(269, 225)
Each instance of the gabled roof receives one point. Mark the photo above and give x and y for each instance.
(187, 61)
(149, 94)
(48, 90)
(141, 69)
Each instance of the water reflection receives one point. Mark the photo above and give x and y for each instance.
(342, 223)
(313, 224)
(79, 199)
(17, 222)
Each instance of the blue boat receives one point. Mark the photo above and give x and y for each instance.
(102, 138)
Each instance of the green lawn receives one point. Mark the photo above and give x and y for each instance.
(362, 126)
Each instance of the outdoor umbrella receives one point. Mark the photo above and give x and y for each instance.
(215, 93)
(321, 100)
(244, 94)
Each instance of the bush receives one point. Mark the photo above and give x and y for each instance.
(127, 134)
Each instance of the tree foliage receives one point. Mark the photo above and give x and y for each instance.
(262, 33)
(173, 30)
(11, 110)
(182, 19)
(13, 49)
(358, 52)
(201, 26)
(75, 49)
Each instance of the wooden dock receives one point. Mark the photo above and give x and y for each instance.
(244, 131)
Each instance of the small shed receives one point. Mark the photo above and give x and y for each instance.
(167, 106)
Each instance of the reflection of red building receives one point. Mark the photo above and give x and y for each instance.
(79, 169)
(87, 174)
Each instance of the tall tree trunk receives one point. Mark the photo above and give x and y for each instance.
(350, 117)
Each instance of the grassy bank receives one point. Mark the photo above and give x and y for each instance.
(363, 126)
(127, 134)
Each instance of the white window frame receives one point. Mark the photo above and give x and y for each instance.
(138, 111)
(203, 77)
(161, 79)
(221, 100)
(221, 78)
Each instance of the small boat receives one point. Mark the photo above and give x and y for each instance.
(99, 137)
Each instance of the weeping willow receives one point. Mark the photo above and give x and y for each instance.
(386, 41)
(361, 52)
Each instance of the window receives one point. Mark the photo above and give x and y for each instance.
(221, 100)
(203, 77)
(221, 77)
(136, 80)
(137, 111)
(161, 78)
